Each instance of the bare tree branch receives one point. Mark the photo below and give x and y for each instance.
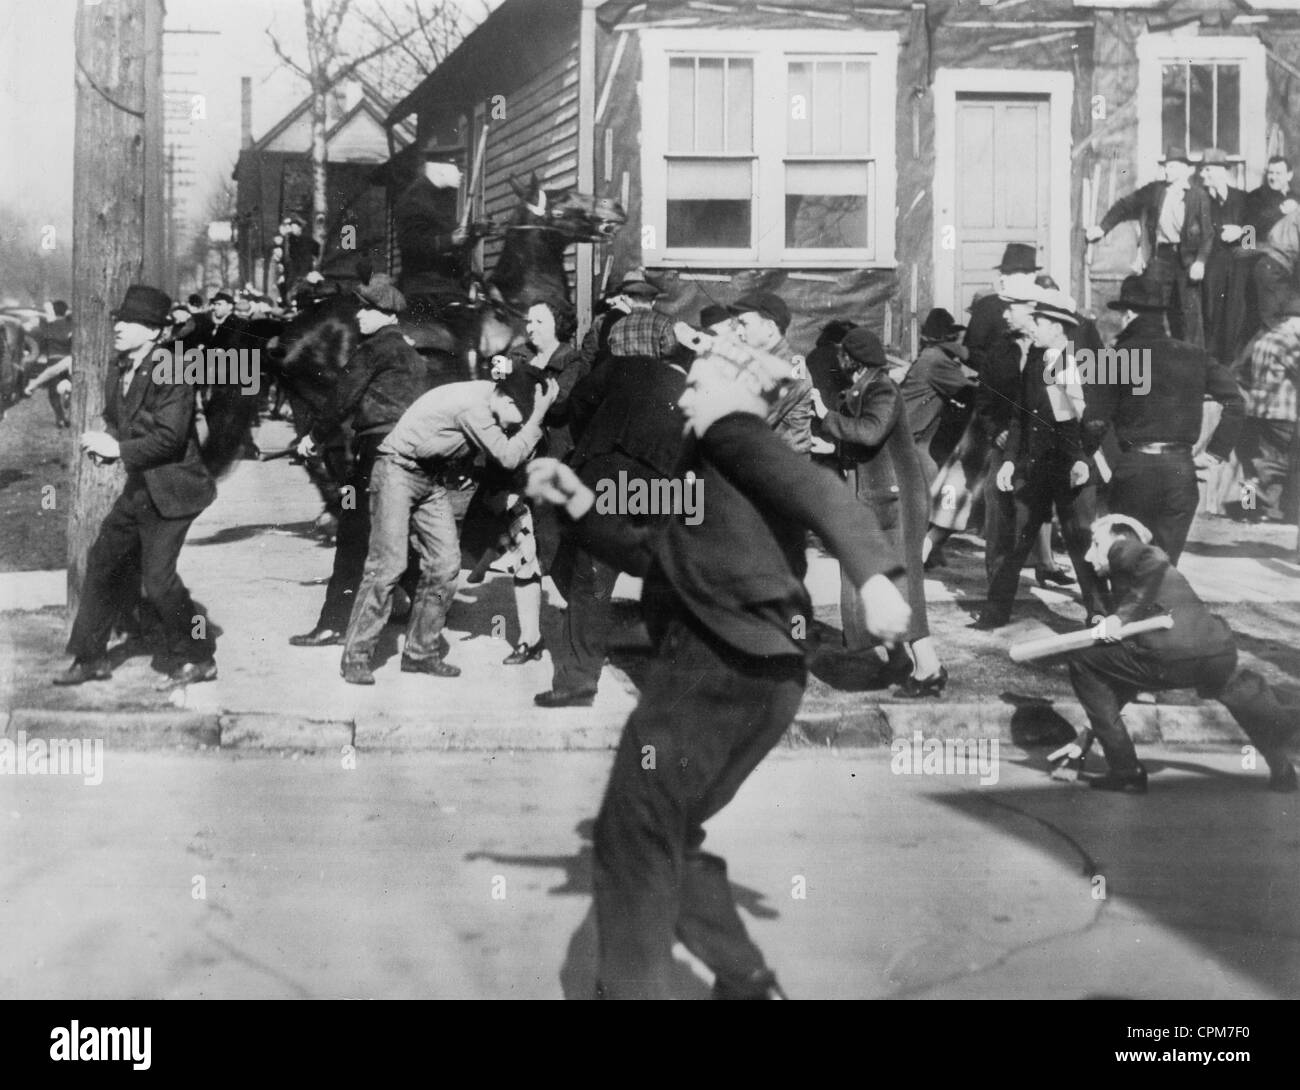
(279, 52)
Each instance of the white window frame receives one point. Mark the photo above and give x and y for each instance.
(769, 49)
(1156, 50)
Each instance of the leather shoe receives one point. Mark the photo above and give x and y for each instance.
(1056, 576)
(575, 698)
(357, 673)
(83, 670)
(986, 622)
(434, 666)
(191, 673)
(1133, 782)
(318, 637)
(524, 652)
(916, 687)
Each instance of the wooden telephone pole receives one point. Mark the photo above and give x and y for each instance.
(117, 224)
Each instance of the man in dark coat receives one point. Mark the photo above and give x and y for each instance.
(149, 423)
(1044, 464)
(1197, 652)
(936, 380)
(56, 344)
(1228, 220)
(722, 599)
(1156, 417)
(1278, 267)
(1177, 236)
(625, 421)
(377, 385)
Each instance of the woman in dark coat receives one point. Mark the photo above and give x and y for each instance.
(870, 423)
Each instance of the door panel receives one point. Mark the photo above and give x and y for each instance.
(1003, 183)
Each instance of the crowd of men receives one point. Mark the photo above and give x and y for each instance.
(870, 456)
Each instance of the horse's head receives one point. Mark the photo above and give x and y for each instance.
(578, 217)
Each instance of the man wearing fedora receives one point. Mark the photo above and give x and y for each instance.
(1157, 421)
(1228, 217)
(1275, 271)
(1176, 240)
(1045, 465)
(988, 314)
(434, 245)
(149, 427)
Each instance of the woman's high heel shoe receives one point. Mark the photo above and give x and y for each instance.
(917, 687)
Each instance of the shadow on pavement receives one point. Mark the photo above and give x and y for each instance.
(578, 973)
(230, 534)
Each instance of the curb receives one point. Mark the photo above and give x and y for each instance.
(1038, 723)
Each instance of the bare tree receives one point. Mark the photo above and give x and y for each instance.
(329, 62)
(438, 29)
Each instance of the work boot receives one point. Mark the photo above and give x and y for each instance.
(357, 673)
(434, 666)
(1132, 781)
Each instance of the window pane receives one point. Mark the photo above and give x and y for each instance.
(710, 203)
(1173, 115)
(1229, 135)
(740, 105)
(828, 102)
(857, 108)
(1200, 106)
(681, 104)
(799, 109)
(826, 205)
(709, 136)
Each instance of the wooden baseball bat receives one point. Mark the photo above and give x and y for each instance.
(1045, 646)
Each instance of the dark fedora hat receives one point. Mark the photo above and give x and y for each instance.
(1140, 293)
(223, 294)
(145, 305)
(864, 347)
(939, 325)
(1019, 257)
(766, 303)
(1175, 154)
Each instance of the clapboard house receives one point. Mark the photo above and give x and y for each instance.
(864, 160)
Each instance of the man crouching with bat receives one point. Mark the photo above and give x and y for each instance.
(1196, 651)
(726, 607)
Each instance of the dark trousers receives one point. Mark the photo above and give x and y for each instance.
(1107, 677)
(1242, 314)
(581, 635)
(1185, 314)
(1269, 451)
(353, 536)
(136, 541)
(1012, 523)
(1159, 490)
(707, 716)
(1215, 290)
(1273, 287)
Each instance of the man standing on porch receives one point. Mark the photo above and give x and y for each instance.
(1177, 236)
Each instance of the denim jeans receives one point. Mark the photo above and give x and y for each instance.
(405, 503)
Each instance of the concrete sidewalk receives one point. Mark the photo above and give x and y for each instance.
(254, 561)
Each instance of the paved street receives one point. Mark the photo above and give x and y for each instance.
(379, 881)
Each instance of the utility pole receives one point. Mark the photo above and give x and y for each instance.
(118, 42)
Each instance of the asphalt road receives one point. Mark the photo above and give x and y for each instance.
(467, 875)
